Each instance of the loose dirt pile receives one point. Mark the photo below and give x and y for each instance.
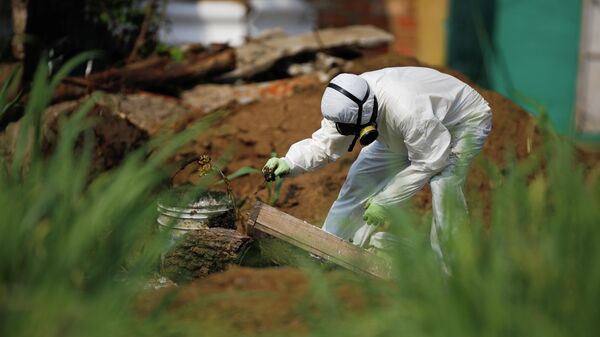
(252, 132)
(245, 301)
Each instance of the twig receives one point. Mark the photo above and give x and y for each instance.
(318, 38)
(139, 42)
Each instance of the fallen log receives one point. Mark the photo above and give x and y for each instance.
(204, 251)
(268, 220)
(151, 72)
(162, 68)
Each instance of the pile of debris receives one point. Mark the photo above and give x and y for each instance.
(163, 92)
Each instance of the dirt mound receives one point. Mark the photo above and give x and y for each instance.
(253, 301)
(252, 132)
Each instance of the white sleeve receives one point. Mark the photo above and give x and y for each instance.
(326, 145)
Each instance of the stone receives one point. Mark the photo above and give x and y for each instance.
(259, 55)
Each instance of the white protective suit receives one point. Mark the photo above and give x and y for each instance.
(431, 127)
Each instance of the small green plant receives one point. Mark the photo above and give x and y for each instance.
(175, 53)
(244, 171)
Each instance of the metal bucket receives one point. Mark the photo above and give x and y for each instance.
(211, 209)
(179, 218)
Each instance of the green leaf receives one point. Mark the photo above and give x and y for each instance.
(15, 74)
(246, 170)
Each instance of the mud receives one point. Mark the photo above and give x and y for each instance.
(244, 301)
(269, 174)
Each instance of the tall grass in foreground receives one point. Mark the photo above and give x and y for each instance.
(75, 248)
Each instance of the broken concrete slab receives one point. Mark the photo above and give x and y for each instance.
(259, 55)
(153, 113)
(212, 97)
(325, 66)
(148, 112)
(124, 122)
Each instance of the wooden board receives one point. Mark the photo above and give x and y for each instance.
(269, 220)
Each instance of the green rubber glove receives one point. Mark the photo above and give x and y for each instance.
(375, 214)
(276, 167)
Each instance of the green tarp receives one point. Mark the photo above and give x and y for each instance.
(529, 51)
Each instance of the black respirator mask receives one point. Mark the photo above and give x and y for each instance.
(365, 133)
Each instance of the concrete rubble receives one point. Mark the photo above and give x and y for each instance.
(259, 55)
(123, 122)
(212, 97)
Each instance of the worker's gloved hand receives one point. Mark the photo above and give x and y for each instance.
(375, 214)
(275, 167)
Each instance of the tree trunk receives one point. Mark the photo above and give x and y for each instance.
(204, 251)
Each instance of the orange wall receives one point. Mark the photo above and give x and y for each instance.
(418, 25)
(431, 33)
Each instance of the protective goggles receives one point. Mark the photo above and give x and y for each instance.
(365, 133)
(346, 129)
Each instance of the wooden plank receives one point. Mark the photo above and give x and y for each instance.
(303, 235)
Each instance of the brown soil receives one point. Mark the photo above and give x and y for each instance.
(245, 301)
(251, 133)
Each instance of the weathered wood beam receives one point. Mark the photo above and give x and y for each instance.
(152, 72)
(269, 220)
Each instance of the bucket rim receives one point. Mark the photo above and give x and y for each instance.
(189, 215)
(194, 210)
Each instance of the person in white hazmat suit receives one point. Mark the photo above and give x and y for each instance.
(417, 125)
